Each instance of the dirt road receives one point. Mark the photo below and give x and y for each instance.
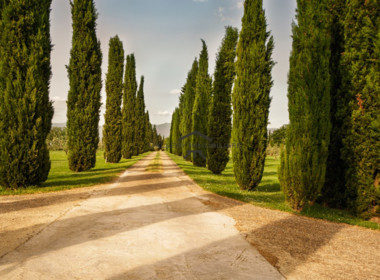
(146, 226)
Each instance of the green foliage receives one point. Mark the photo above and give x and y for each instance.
(188, 100)
(176, 133)
(200, 109)
(114, 89)
(25, 109)
(140, 118)
(219, 121)
(129, 112)
(277, 137)
(57, 139)
(303, 162)
(362, 144)
(250, 97)
(84, 71)
(333, 191)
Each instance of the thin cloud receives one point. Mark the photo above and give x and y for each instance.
(164, 113)
(175, 91)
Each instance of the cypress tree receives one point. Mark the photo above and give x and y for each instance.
(129, 109)
(333, 191)
(140, 118)
(303, 162)
(251, 98)
(200, 109)
(362, 145)
(25, 109)
(219, 122)
(176, 134)
(148, 133)
(114, 90)
(84, 71)
(186, 120)
(170, 141)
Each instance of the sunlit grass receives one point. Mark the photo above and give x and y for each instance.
(62, 178)
(268, 194)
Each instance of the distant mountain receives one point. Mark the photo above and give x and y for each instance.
(59, 124)
(163, 129)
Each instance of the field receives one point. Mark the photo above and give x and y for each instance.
(62, 178)
(268, 194)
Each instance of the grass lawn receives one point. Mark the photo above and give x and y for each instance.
(155, 165)
(268, 194)
(62, 178)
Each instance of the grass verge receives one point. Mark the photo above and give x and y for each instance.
(155, 164)
(268, 194)
(62, 178)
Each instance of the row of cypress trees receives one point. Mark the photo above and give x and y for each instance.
(331, 154)
(26, 111)
(210, 102)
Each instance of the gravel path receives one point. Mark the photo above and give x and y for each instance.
(145, 226)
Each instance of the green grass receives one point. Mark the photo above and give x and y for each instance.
(155, 165)
(268, 194)
(62, 178)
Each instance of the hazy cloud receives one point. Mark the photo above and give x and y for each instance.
(164, 113)
(175, 91)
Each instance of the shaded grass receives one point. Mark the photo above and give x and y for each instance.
(268, 194)
(155, 164)
(62, 178)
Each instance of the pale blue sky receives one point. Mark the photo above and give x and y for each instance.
(165, 37)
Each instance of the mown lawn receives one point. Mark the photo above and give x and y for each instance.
(268, 194)
(62, 178)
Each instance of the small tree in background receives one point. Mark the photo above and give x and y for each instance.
(114, 89)
(200, 109)
(186, 120)
(362, 145)
(25, 109)
(251, 98)
(129, 112)
(303, 162)
(83, 103)
(219, 122)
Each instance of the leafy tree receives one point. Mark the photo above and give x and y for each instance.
(140, 118)
(57, 139)
(186, 120)
(114, 89)
(25, 108)
(362, 145)
(303, 162)
(129, 113)
(278, 136)
(170, 139)
(219, 121)
(251, 98)
(84, 71)
(200, 109)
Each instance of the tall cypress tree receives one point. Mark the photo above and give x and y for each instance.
(129, 108)
(170, 148)
(333, 191)
(84, 71)
(219, 122)
(114, 89)
(200, 109)
(25, 109)
(362, 145)
(176, 134)
(251, 98)
(186, 120)
(140, 118)
(303, 163)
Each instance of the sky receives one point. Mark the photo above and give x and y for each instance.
(165, 36)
